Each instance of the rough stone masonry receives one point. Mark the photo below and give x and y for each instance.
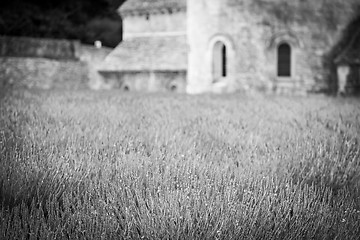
(197, 46)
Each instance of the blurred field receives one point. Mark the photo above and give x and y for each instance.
(109, 165)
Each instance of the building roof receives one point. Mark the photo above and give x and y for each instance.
(150, 5)
(351, 54)
(148, 54)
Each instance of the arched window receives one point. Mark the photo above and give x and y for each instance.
(219, 60)
(284, 60)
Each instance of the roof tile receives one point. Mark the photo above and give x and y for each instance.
(148, 54)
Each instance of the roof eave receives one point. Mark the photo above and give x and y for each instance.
(141, 70)
(139, 12)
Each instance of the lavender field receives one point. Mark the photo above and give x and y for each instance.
(109, 165)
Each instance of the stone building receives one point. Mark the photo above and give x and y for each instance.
(233, 45)
(348, 66)
(153, 54)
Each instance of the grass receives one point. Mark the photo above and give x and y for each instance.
(108, 165)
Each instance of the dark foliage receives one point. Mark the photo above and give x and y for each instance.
(87, 20)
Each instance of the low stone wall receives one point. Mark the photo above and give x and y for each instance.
(38, 47)
(157, 81)
(49, 64)
(42, 73)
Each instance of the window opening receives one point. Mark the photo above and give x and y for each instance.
(219, 61)
(284, 60)
(224, 58)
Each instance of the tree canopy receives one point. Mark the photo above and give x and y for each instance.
(86, 20)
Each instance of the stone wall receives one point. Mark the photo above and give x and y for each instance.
(253, 29)
(42, 73)
(146, 81)
(93, 57)
(135, 25)
(35, 47)
(49, 64)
